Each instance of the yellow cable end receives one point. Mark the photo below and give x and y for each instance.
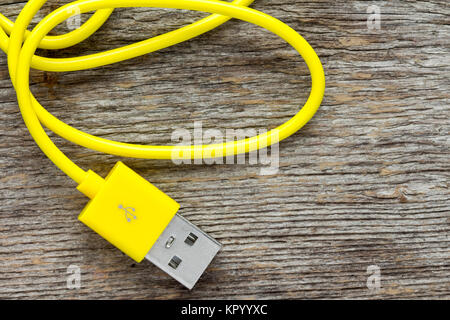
(127, 210)
(91, 184)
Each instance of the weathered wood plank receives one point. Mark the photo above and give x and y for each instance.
(365, 183)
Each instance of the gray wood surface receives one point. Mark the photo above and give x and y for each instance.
(364, 183)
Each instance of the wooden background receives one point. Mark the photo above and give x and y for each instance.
(364, 183)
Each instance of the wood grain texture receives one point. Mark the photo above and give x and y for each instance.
(364, 183)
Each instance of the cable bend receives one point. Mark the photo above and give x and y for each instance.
(33, 113)
(116, 55)
(65, 40)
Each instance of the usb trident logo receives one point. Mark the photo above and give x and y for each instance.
(129, 212)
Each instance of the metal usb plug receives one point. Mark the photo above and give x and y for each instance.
(183, 251)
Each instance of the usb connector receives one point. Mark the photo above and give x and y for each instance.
(183, 251)
(142, 222)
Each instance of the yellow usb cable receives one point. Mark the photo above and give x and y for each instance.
(124, 208)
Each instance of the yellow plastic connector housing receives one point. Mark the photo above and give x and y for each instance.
(126, 210)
